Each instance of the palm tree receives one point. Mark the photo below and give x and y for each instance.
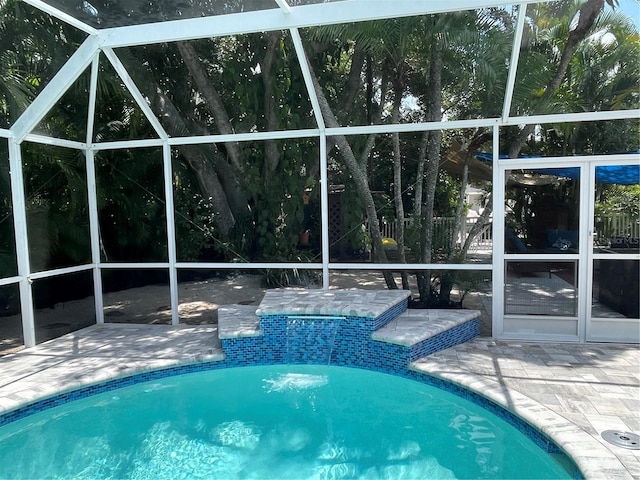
(555, 40)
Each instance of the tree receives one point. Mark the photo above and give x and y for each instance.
(242, 201)
(561, 17)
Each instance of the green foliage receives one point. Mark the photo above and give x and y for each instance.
(291, 277)
(8, 264)
(447, 191)
(56, 202)
(618, 199)
(131, 205)
(33, 47)
(260, 89)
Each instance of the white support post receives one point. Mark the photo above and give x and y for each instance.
(324, 187)
(584, 273)
(94, 232)
(92, 193)
(497, 252)
(171, 233)
(22, 244)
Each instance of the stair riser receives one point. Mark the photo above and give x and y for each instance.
(349, 345)
(394, 358)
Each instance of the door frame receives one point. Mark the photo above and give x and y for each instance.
(567, 328)
(605, 329)
(587, 326)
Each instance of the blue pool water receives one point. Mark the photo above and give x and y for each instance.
(272, 422)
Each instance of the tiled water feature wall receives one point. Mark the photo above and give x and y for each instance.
(336, 328)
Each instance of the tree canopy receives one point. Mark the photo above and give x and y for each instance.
(244, 201)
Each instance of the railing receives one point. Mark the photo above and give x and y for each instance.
(612, 225)
(443, 228)
(616, 225)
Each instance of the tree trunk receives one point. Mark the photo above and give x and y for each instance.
(206, 175)
(422, 158)
(460, 214)
(354, 80)
(206, 88)
(473, 145)
(272, 154)
(397, 177)
(359, 178)
(483, 220)
(434, 139)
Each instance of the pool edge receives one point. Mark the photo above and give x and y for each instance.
(566, 435)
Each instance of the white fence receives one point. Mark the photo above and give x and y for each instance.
(613, 225)
(616, 225)
(443, 228)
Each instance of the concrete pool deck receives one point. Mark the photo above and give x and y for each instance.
(588, 388)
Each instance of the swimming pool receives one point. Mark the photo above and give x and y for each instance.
(278, 421)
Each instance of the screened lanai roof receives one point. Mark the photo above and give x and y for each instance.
(109, 44)
(111, 24)
(255, 14)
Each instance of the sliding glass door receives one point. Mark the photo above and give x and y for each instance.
(614, 312)
(542, 253)
(571, 252)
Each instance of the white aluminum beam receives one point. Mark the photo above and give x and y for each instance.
(59, 14)
(411, 266)
(9, 281)
(60, 271)
(361, 130)
(58, 85)
(93, 94)
(324, 181)
(58, 142)
(126, 144)
(203, 139)
(246, 266)
(346, 11)
(306, 74)
(513, 63)
(550, 162)
(318, 266)
(573, 117)
(135, 93)
(584, 274)
(134, 265)
(246, 137)
(413, 127)
(497, 244)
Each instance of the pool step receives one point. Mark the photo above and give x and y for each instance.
(420, 332)
(237, 321)
(373, 329)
